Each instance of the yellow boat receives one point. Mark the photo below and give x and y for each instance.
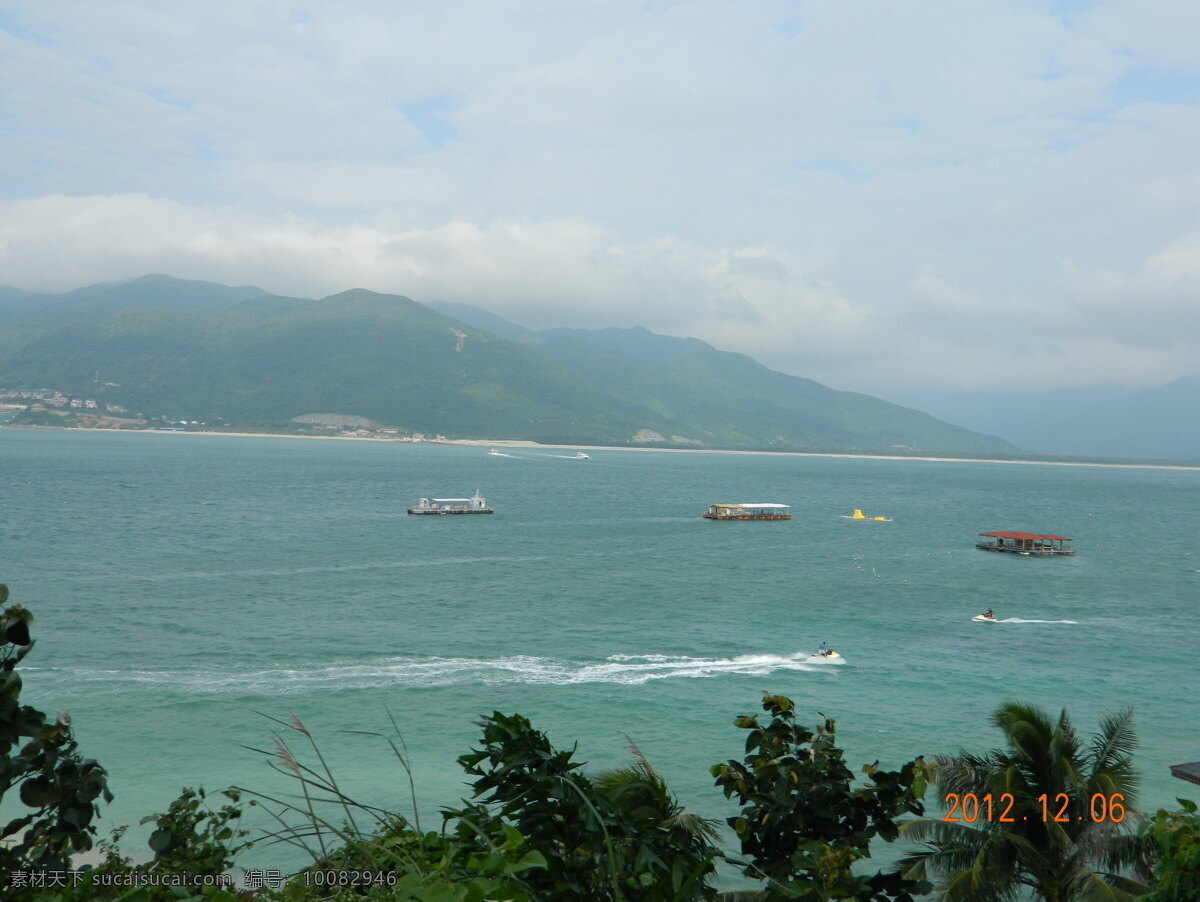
(859, 515)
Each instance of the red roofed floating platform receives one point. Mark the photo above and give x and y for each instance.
(1027, 543)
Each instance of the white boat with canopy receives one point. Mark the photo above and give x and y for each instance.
(748, 510)
(476, 504)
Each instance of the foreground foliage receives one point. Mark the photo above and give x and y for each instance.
(620, 835)
(359, 850)
(803, 824)
(40, 758)
(539, 827)
(1176, 839)
(1048, 839)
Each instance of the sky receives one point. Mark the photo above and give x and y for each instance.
(885, 196)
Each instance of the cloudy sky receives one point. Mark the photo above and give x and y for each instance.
(886, 196)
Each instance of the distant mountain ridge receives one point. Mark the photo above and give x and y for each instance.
(740, 396)
(155, 290)
(198, 350)
(1161, 423)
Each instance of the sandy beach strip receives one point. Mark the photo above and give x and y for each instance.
(519, 443)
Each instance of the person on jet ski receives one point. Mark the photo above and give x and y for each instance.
(823, 649)
(989, 615)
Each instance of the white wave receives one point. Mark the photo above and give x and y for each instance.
(1019, 620)
(525, 457)
(426, 672)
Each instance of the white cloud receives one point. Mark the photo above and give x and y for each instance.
(548, 273)
(870, 194)
(1134, 307)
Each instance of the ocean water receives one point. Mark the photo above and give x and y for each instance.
(188, 588)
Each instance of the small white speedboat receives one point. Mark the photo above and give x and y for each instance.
(494, 452)
(579, 455)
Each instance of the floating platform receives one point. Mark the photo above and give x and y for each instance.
(749, 511)
(1025, 543)
(476, 504)
(1189, 772)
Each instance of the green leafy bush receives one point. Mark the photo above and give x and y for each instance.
(40, 758)
(803, 823)
(618, 836)
(1176, 837)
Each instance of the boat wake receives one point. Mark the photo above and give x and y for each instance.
(579, 455)
(1019, 620)
(434, 671)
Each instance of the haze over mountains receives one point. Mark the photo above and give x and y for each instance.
(1107, 420)
(199, 350)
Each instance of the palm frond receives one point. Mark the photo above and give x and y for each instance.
(989, 861)
(932, 830)
(965, 772)
(1027, 720)
(694, 825)
(1129, 852)
(951, 846)
(640, 762)
(1093, 887)
(1116, 738)
(1030, 738)
(1110, 757)
(979, 886)
(977, 865)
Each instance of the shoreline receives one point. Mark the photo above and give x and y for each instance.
(522, 443)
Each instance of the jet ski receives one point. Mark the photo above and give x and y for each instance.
(984, 618)
(830, 656)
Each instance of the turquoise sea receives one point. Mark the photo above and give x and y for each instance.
(184, 586)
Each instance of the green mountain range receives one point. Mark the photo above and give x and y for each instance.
(201, 351)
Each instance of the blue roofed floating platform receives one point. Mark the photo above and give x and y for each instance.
(747, 510)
